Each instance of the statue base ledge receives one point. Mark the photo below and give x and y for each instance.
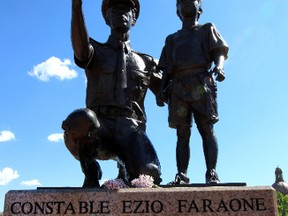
(194, 199)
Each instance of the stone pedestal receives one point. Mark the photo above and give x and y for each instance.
(173, 201)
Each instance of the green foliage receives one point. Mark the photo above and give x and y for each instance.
(282, 204)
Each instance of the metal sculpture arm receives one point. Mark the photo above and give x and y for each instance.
(218, 70)
(79, 35)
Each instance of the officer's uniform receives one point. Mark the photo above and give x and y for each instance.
(122, 126)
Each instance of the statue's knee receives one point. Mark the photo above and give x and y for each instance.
(80, 125)
(183, 131)
(205, 128)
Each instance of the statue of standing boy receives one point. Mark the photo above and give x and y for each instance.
(189, 87)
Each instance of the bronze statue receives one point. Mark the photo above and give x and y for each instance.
(280, 185)
(189, 87)
(113, 124)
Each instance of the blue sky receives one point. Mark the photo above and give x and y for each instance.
(40, 85)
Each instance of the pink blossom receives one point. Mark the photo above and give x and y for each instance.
(114, 184)
(144, 181)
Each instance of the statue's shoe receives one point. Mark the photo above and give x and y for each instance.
(180, 179)
(212, 177)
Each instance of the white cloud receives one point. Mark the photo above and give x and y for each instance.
(6, 136)
(33, 182)
(58, 137)
(53, 67)
(7, 175)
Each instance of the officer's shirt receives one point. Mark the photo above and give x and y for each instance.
(101, 72)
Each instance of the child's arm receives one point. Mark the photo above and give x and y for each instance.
(218, 59)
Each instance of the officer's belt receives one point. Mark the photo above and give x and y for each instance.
(189, 72)
(113, 111)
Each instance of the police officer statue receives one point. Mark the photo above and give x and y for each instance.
(113, 123)
(189, 87)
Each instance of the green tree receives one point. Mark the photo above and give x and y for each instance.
(282, 204)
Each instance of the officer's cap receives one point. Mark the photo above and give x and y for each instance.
(134, 4)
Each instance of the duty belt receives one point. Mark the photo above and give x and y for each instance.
(113, 111)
